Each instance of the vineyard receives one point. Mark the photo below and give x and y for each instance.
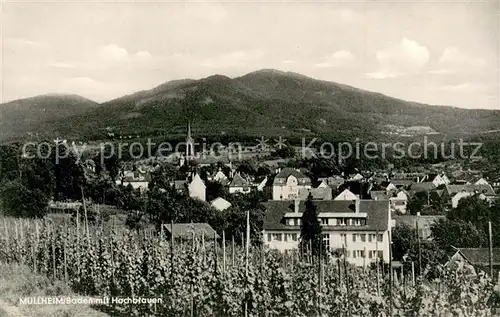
(201, 278)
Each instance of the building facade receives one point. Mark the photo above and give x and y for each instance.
(399, 201)
(361, 228)
(287, 184)
(239, 185)
(197, 188)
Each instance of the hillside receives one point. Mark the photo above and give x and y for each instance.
(268, 102)
(31, 114)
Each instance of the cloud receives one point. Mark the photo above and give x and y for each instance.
(143, 55)
(337, 59)
(233, 59)
(289, 61)
(400, 59)
(114, 53)
(468, 87)
(455, 61)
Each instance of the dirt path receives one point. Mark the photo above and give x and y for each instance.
(8, 310)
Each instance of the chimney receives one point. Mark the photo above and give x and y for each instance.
(296, 205)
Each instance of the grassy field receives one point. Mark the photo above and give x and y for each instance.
(17, 281)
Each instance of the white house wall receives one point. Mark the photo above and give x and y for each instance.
(336, 241)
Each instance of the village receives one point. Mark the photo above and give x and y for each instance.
(358, 212)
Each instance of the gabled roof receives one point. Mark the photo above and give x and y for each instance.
(186, 230)
(195, 178)
(219, 174)
(324, 193)
(468, 177)
(333, 182)
(483, 189)
(260, 181)
(378, 195)
(480, 256)
(357, 176)
(238, 181)
(282, 176)
(424, 186)
(438, 192)
(411, 220)
(346, 195)
(220, 203)
(377, 213)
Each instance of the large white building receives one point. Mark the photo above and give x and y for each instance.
(288, 183)
(361, 227)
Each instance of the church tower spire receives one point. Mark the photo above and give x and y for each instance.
(189, 143)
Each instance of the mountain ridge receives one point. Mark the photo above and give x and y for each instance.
(270, 101)
(25, 115)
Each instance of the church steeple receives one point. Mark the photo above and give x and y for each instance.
(189, 143)
(189, 131)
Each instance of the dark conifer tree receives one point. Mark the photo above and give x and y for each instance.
(311, 236)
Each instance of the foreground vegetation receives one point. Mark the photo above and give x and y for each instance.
(18, 281)
(200, 278)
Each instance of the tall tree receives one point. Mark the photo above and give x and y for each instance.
(458, 233)
(310, 235)
(69, 173)
(418, 202)
(405, 247)
(19, 201)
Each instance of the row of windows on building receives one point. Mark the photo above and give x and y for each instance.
(332, 221)
(362, 254)
(282, 237)
(356, 237)
(357, 254)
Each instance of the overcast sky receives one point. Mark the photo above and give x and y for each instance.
(444, 53)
